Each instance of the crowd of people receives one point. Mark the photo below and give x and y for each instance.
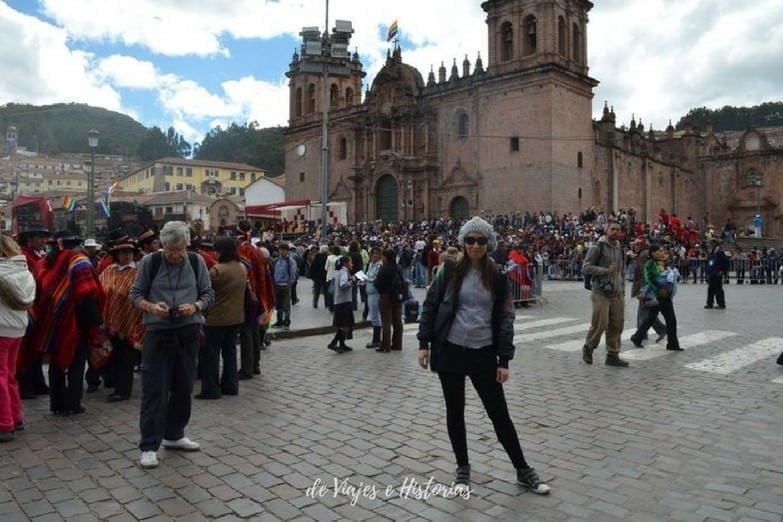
(97, 313)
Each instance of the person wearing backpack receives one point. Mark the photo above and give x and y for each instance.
(606, 268)
(172, 300)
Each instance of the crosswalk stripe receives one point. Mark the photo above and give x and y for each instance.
(778, 380)
(733, 360)
(689, 341)
(576, 345)
(557, 332)
(542, 322)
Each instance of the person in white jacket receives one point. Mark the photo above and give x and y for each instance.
(17, 292)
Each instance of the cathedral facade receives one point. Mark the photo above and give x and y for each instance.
(514, 134)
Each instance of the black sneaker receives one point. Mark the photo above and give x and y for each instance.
(462, 478)
(529, 479)
(780, 359)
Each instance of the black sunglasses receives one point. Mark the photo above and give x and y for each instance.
(472, 240)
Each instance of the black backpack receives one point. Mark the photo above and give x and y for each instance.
(587, 277)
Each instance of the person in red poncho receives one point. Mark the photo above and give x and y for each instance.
(260, 280)
(65, 320)
(29, 369)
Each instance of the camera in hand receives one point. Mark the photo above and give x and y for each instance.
(173, 314)
(606, 285)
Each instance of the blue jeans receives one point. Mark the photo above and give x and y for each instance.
(375, 310)
(168, 367)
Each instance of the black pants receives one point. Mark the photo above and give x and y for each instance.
(491, 393)
(31, 380)
(249, 348)
(221, 343)
(715, 290)
(666, 308)
(168, 367)
(123, 358)
(642, 314)
(67, 396)
(319, 287)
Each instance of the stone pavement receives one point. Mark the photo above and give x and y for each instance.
(695, 435)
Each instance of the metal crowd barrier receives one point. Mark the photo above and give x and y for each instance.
(564, 268)
(525, 283)
(742, 271)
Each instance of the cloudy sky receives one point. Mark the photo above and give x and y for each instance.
(194, 64)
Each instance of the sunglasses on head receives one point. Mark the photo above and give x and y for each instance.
(473, 240)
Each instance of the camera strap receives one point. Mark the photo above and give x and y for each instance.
(179, 277)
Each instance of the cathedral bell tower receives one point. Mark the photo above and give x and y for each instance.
(318, 54)
(538, 57)
(526, 33)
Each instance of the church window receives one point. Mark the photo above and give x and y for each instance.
(310, 98)
(334, 96)
(298, 102)
(576, 42)
(463, 126)
(530, 35)
(348, 97)
(342, 148)
(514, 143)
(753, 179)
(579, 160)
(506, 41)
(561, 35)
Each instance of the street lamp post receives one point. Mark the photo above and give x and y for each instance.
(324, 135)
(92, 141)
(327, 52)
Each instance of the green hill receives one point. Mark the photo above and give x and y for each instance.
(63, 127)
(769, 114)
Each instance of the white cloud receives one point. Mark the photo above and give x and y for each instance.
(654, 58)
(128, 72)
(40, 68)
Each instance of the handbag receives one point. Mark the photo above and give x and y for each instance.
(99, 347)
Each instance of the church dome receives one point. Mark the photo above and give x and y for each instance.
(397, 80)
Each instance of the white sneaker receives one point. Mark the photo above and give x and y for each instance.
(183, 444)
(149, 459)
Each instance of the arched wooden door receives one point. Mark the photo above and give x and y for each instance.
(459, 208)
(387, 199)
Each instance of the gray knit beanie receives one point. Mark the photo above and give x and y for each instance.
(476, 224)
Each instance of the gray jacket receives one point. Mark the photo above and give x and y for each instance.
(174, 284)
(596, 264)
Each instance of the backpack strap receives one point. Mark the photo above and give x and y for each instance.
(156, 259)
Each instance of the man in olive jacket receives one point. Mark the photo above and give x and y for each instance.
(604, 263)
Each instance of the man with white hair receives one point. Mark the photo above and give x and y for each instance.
(172, 289)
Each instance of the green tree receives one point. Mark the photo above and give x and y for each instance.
(262, 148)
(157, 145)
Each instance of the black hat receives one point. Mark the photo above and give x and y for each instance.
(147, 236)
(125, 245)
(33, 231)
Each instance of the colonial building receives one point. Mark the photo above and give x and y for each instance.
(215, 178)
(514, 134)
